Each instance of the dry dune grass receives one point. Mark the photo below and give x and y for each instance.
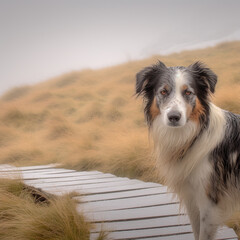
(24, 217)
(92, 120)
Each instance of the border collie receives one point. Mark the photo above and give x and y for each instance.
(196, 144)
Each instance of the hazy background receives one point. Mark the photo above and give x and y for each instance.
(90, 120)
(41, 39)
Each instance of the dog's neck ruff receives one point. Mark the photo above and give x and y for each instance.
(179, 150)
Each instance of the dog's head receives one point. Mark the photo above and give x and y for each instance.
(176, 95)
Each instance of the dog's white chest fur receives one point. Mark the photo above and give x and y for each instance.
(181, 155)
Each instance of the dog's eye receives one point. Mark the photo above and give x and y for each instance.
(188, 93)
(164, 92)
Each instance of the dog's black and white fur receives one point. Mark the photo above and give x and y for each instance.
(197, 144)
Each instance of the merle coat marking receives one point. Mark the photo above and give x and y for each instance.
(196, 144)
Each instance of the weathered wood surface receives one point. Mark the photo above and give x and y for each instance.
(128, 209)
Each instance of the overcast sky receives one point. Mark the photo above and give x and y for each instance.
(40, 39)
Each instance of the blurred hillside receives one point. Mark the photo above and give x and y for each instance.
(91, 119)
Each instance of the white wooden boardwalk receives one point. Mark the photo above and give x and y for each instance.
(128, 209)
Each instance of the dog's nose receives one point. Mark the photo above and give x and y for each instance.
(174, 116)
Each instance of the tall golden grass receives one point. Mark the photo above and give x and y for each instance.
(23, 217)
(91, 119)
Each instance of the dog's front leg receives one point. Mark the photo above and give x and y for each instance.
(208, 225)
(194, 216)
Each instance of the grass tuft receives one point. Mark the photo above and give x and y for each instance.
(23, 156)
(24, 217)
(43, 96)
(6, 137)
(16, 93)
(59, 131)
(119, 102)
(114, 114)
(26, 120)
(66, 80)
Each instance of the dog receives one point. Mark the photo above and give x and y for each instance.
(196, 143)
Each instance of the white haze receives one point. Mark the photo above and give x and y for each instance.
(42, 39)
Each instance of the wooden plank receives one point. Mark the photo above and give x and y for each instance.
(157, 222)
(122, 195)
(135, 202)
(19, 174)
(6, 167)
(123, 183)
(38, 167)
(44, 171)
(51, 178)
(90, 175)
(77, 180)
(133, 214)
(60, 171)
(161, 233)
(187, 236)
(89, 192)
(78, 185)
(97, 189)
(152, 232)
(181, 237)
(223, 234)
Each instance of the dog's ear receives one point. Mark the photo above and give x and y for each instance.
(205, 76)
(146, 78)
(142, 79)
